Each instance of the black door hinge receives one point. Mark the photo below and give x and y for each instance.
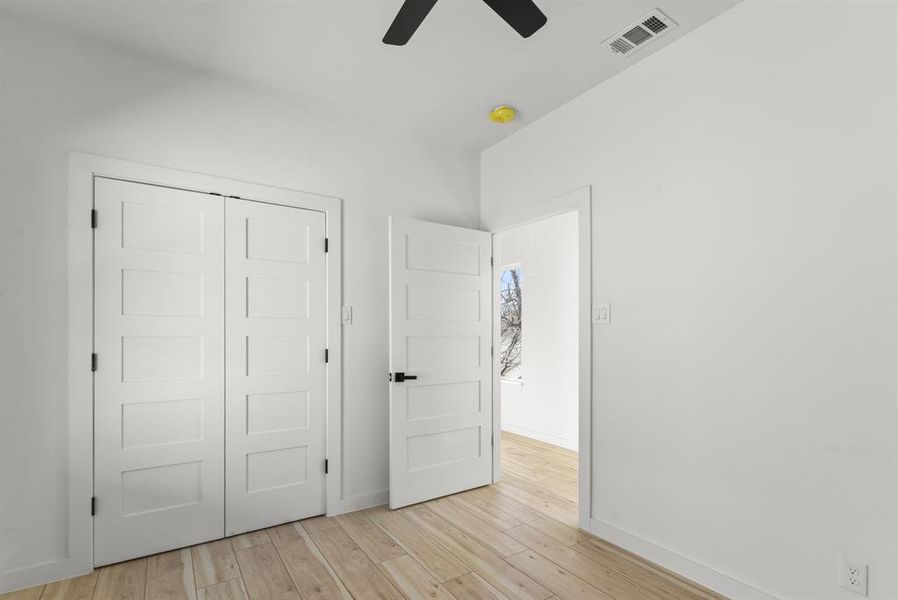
(93, 218)
(93, 506)
(93, 361)
(491, 261)
(325, 245)
(325, 466)
(326, 355)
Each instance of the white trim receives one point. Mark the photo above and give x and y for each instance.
(542, 437)
(681, 565)
(497, 369)
(579, 200)
(38, 574)
(82, 170)
(80, 378)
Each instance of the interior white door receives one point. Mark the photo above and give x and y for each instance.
(440, 340)
(159, 381)
(276, 378)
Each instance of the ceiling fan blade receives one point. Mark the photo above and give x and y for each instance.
(407, 21)
(523, 15)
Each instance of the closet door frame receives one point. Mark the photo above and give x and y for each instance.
(83, 169)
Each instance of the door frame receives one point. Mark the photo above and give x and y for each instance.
(83, 168)
(578, 200)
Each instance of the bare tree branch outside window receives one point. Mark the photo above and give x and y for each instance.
(510, 315)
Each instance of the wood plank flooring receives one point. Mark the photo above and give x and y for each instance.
(515, 540)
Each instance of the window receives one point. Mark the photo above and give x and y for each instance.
(510, 315)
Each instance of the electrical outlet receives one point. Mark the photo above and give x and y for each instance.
(852, 575)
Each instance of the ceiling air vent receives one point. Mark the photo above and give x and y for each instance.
(638, 34)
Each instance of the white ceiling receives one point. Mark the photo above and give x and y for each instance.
(462, 61)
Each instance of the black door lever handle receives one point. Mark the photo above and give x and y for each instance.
(399, 377)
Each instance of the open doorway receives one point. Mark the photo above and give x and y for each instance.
(537, 267)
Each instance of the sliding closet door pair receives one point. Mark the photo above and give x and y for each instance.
(276, 381)
(182, 281)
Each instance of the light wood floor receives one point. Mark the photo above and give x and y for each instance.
(515, 540)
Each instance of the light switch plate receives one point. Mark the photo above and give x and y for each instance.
(601, 314)
(346, 315)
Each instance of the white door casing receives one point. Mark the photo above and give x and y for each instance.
(159, 383)
(276, 386)
(440, 332)
(579, 200)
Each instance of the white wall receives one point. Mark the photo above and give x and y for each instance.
(59, 94)
(544, 405)
(745, 233)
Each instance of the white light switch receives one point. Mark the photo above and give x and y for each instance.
(346, 315)
(601, 314)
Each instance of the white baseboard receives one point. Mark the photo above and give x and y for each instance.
(360, 502)
(679, 564)
(542, 437)
(32, 575)
(64, 568)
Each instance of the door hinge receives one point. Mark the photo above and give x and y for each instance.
(93, 361)
(325, 466)
(326, 355)
(93, 506)
(326, 244)
(93, 218)
(491, 261)
(492, 441)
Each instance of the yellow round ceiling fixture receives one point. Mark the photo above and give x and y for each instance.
(503, 114)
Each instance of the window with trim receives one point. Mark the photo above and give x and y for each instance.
(510, 321)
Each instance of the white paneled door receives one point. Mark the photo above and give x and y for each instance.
(440, 340)
(210, 382)
(276, 386)
(159, 381)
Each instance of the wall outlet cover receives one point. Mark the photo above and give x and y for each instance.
(852, 575)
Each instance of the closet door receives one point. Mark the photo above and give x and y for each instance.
(275, 364)
(159, 381)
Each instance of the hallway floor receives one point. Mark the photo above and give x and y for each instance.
(516, 539)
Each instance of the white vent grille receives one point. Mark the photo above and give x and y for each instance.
(638, 34)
